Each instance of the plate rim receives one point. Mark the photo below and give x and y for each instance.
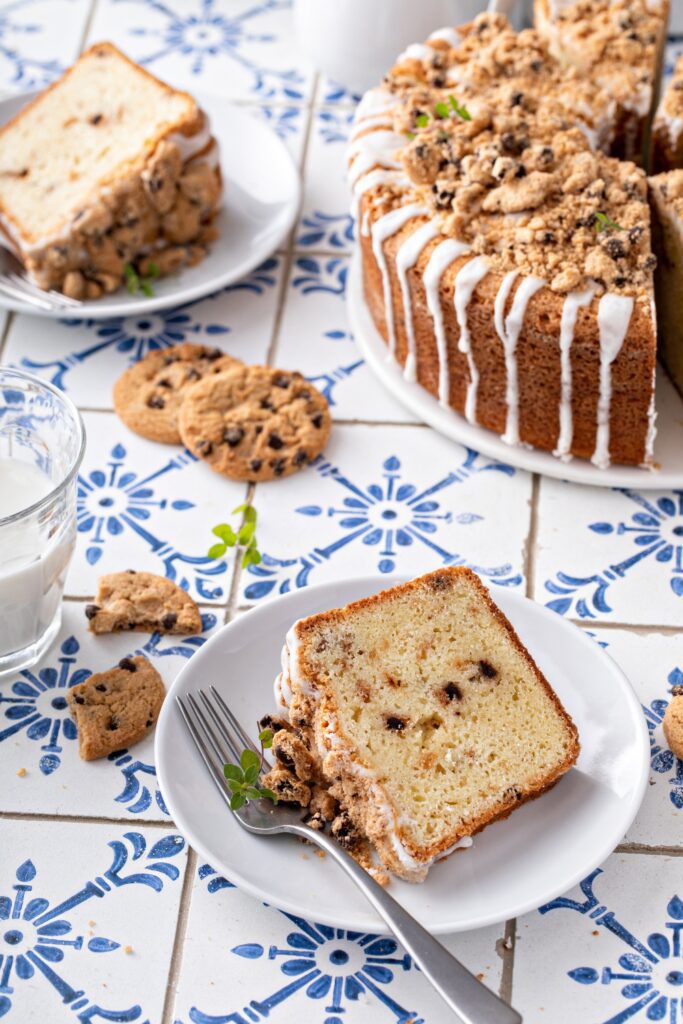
(452, 425)
(99, 310)
(369, 922)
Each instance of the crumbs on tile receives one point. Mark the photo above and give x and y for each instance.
(22, 772)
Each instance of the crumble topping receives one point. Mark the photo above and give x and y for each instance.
(672, 104)
(670, 187)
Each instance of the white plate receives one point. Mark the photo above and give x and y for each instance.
(543, 849)
(260, 202)
(668, 446)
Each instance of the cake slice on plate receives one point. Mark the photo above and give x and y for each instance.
(667, 129)
(107, 174)
(666, 197)
(425, 714)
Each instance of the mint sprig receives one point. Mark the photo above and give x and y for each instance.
(242, 778)
(605, 223)
(244, 537)
(460, 109)
(135, 283)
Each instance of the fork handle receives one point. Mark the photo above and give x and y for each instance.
(471, 1001)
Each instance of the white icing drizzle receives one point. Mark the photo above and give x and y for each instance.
(447, 35)
(377, 147)
(652, 411)
(570, 310)
(376, 101)
(508, 329)
(465, 283)
(416, 51)
(406, 258)
(382, 229)
(190, 145)
(614, 317)
(368, 123)
(439, 261)
(380, 176)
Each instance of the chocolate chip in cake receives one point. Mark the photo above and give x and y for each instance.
(193, 374)
(156, 402)
(487, 670)
(128, 665)
(91, 610)
(615, 248)
(452, 691)
(169, 620)
(258, 429)
(266, 404)
(285, 759)
(164, 383)
(233, 435)
(213, 355)
(677, 690)
(394, 723)
(299, 457)
(96, 118)
(512, 793)
(78, 699)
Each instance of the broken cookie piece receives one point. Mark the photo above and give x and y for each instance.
(116, 708)
(142, 602)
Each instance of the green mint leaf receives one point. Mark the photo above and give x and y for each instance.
(460, 109)
(253, 793)
(250, 514)
(441, 110)
(251, 557)
(266, 738)
(246, 533)
(410, 135)
(240, 508)
(233, 771)
(237, 800)
(226, 533)
(252, 773)
(234, 786)
(605, 223)
(217, 550)
(268, 794)
(153, 270)
(146, 288)
(249, 758)
(422, 120)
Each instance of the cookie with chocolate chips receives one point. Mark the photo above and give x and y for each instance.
(255, 422)
(116, 708)
(142, 602)
(149, 394)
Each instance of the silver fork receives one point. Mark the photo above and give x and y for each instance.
(18, 286)
(220, 739)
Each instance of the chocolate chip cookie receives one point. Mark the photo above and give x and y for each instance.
(116, 708)
(142, 602)
(255, 422)
(148, 396)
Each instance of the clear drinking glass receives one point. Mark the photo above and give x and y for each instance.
(42, 440)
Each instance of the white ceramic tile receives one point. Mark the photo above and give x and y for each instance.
(610, 555)
(389, 500)
(288, 123)
(325, 222)
(607, 953)
(85, 357)
(39, 39)
(240, 49)
(244, 961)
(329, 92)
(38, 741)
(653, 664)
(88, 918)
(315, 337)
(148, 506)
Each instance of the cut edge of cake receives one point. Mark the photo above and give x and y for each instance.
(313, 712)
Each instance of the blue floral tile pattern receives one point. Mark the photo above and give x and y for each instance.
(51, 954)
(238, 48)
(38, 738)
(326, 223)
(38, 40)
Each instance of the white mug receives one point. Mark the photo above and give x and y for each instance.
(355, 42)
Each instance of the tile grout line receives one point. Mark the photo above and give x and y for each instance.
(179, 939)
(509, 937)
(232, 603)
(530, 545)
(86, 819)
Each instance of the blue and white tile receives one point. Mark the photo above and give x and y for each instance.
(329, 92)
(326, 223)
(38, 738)
(289, 124)
(39, 39)
(653, 664)
(88, 918)
(246, 961)
(610, 555)
(315, 337)
(85, 357)
(151, 507)
(240, 49)
(386, 501)
(608, 952)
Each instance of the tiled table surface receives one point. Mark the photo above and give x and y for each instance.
(106, 915)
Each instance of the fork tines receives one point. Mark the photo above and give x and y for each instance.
(19, 287)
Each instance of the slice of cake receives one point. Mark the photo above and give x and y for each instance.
(667, 129)
(619, 44)
(666, 196)
(108, 171)
(425, 714)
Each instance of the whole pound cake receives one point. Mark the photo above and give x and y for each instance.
(425, 714)
(106, 171)
(506, 260)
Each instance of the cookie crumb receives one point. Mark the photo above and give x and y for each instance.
(22, 772)
(128, 950)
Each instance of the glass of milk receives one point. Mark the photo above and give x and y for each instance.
(42, 441)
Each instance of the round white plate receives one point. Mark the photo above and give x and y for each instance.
(542, 849)
(261, 199)
(668, 445)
